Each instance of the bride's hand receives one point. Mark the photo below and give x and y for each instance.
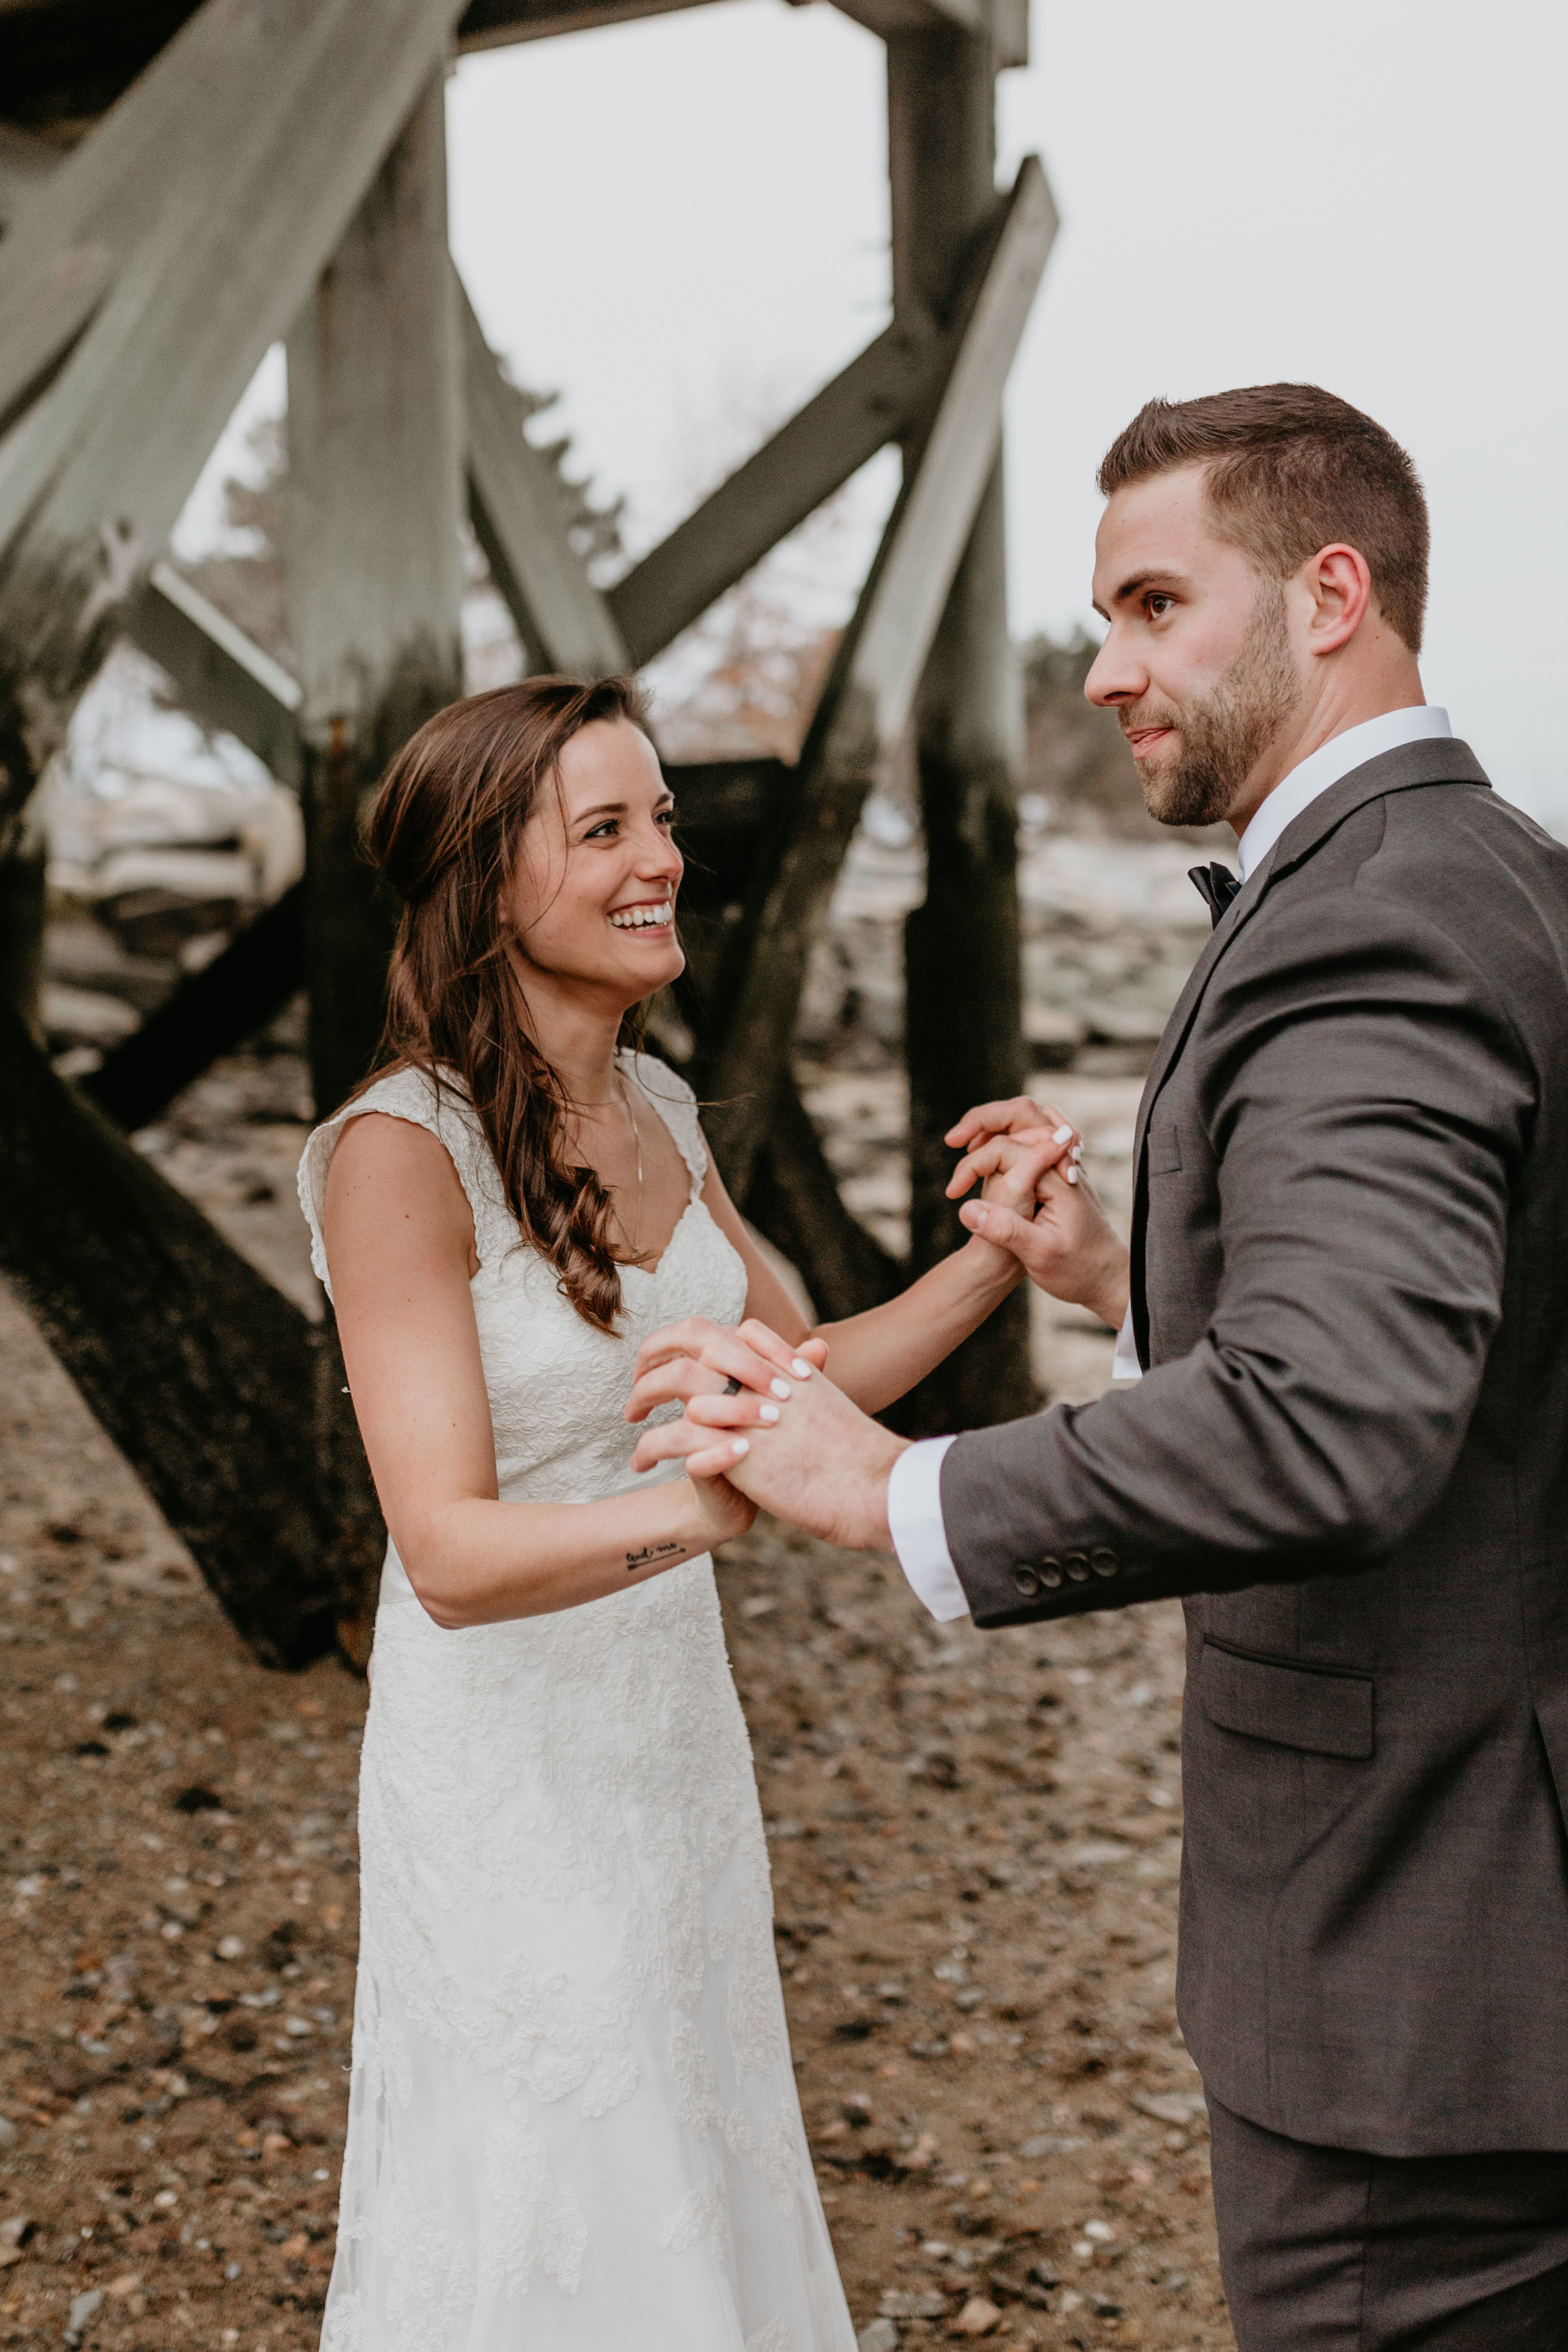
(1065, 1242)
(753, 1369)
(697, 1357)
(1016, 1169)
(1026, 1123)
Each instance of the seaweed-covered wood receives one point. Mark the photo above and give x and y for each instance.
(962, 955)
(210, 1012)
(224, 1398)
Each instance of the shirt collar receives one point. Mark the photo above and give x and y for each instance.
(1333, 760)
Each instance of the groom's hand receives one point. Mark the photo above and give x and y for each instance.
(1068, 1246)
(822, 1464)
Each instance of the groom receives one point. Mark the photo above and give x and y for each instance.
(1347, 1294)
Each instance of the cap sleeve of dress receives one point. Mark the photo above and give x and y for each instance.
(676, 1104)
(443, 1112)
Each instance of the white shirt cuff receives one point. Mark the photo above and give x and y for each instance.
(1125, 1364)
(919, 1537)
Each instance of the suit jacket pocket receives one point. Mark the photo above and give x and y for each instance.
(1326, 1710)
(1164, 1147)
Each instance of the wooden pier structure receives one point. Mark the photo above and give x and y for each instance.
(180, 189)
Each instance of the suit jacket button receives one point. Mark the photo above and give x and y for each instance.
(1077, 1566)
(1104, 1563)
(1051, 1570)
(1024, 1578)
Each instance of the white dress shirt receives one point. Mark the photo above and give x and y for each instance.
(914, 1489)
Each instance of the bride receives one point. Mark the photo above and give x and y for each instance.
(574, 2123)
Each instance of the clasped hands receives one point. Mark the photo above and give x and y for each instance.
(760, 1413)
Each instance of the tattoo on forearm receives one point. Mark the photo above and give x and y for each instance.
(651, 1552)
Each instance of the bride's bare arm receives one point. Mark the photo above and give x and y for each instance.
(879, 1356)
(400, 1243)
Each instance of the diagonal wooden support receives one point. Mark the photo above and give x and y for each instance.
(175, 153)
(519, 520)
(223, 677)
(877, 397)
(224, 1399)
(210, 1012)
(311, 95)
(870, 692)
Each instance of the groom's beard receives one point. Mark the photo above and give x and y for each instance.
(1223, 735)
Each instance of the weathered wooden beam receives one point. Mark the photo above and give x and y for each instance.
(209, 1013)
(226, 680)
(870, 691)
(497, 23)
(25, 164)
(500, 23)
(64, 62)
(284, 140)
(874, 399)
(519, 518)
(223, 1398)
(223, 677)
(24, 910)
(201, 109)
(373, 559)
(1005, 22)
(962, 947)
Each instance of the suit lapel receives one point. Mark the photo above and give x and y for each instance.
(1437, 761)
(1174, 1034)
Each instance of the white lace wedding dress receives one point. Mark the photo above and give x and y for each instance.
(573, 2123)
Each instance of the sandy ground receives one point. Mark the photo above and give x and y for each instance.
(975, 1842)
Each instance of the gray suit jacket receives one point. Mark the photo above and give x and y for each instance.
(1350, 1452)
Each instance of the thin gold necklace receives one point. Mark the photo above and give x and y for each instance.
(637, 1143)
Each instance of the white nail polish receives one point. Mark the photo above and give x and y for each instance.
(801, 1369)
(1062, 1135)
(782, 1388)
(739, 1445)
(767, 1413)
(1072, 1175)
(1076, 1154)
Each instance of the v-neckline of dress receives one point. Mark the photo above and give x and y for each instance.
(635, 1265)
(694, 1182)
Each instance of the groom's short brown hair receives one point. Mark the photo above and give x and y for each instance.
(1292, 468)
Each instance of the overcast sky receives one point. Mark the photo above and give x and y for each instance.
(682, 224)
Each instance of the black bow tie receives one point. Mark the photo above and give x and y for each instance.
(1217, 885)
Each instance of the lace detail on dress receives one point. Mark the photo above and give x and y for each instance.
(573, 2122)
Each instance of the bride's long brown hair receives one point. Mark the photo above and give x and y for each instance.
(445, 830)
